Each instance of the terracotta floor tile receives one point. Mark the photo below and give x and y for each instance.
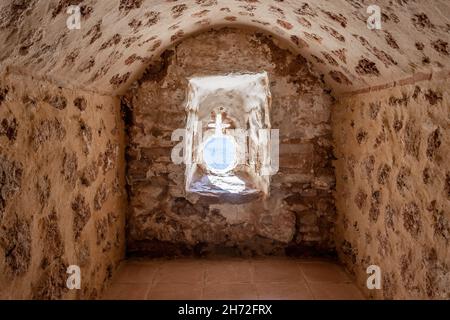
(335, 291)
(263, 278)
(126, 291)
(136, 273)
(276, 271)
(175, 291)
(283, 291)
(229, 291)
(324, 272)
(228, 271)
(145, 262)
(180, 272)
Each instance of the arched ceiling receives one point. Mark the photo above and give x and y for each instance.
(119, 38)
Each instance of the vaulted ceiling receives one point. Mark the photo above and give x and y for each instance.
(119, 38)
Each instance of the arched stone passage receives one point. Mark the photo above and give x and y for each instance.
(367, 109)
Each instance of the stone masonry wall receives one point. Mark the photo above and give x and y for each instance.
(61, 189)
(297, 218)
(393, 188)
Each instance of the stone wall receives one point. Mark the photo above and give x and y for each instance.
(61, 189)
(393, 188)
(297, 217)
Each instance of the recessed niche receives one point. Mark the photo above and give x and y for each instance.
(227, 147)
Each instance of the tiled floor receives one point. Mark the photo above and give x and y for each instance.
(264, 278)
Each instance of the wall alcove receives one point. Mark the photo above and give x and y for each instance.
(162, 212)
(87, 116)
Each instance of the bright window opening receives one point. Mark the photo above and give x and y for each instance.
(225, 149)
(219, 154)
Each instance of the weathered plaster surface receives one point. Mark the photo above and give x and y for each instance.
(61, 189)
(393, 188)
(119, 38)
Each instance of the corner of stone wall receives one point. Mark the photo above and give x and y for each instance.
(62, 197)
(393, 180)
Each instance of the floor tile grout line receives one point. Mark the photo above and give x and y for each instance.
(202, 294)
(252, 286)
(252, 279)
(155, 274)
(306, 282)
